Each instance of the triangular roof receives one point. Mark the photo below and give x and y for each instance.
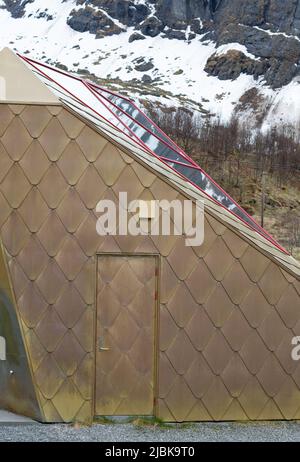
(18, 84)
(122, 122)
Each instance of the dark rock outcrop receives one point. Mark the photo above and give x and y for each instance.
(175, 34)
(146, 79)
(269, 29)
(177, 14)
(144, 66)
(126, 11)
(232, 64)
(280, 53)
(94, 21)
(152, 26)
(16, 7)
(136, 36)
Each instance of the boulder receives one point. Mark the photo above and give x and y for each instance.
(94, 21)
(136, 36)
(146, 79)
(230, 65)
(152, 26)
(175, 34)
(144, 66)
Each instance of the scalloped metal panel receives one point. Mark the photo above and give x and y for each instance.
(227, 312)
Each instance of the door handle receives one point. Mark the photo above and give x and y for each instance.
(100, 345)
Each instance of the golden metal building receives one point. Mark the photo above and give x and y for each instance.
(129, 325)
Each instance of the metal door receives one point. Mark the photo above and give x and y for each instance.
(125, 346)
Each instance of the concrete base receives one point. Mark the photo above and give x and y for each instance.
(7, 418)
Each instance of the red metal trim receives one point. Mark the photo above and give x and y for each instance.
(82, 102)
(92, 84)
(182, 154)
(276, 244)
(79, 79)
(70, 93)
(146, 117)
(87, 85)
(161, 131)
(140, 142)
(221, 205)
(51, 68)
(194, 165)
(222, 191)
(85, 104)
(244, 211)
(98, 87)
(181, 163)
(260, 230)
(106, 107)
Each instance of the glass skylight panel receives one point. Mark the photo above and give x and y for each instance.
(160, 148)
(200, 179)
(124, 115)
(137, 115)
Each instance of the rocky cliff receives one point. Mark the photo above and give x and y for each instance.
(215, 53)
(269, 29)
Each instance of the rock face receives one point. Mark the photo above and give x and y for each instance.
(152, 26)
(16, 7)
(231, 64)
(125, 11)
(94, 21)
(178, 14)
(268, 29)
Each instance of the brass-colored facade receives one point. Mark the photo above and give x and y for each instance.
(125, 340)
(226, 312)
(16, 385)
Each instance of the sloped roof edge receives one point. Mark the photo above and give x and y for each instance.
(132, 147)
(287, 262)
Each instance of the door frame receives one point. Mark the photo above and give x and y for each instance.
(156, 328)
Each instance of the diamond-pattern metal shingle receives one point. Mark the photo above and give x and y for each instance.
(34, 210)
(227, 313)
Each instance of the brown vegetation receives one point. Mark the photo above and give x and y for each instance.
(246, 164)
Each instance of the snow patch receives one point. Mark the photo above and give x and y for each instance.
(222, 49)
(178, 64)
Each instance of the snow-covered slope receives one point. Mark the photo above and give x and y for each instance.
(158, 68)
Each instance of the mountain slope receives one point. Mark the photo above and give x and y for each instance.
(219, 57)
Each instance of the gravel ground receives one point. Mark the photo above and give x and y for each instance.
(271, 431)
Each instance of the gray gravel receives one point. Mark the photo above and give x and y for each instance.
(271, 431)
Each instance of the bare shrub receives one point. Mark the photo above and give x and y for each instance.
(244, 162)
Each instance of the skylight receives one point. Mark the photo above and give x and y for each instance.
(124, 115)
